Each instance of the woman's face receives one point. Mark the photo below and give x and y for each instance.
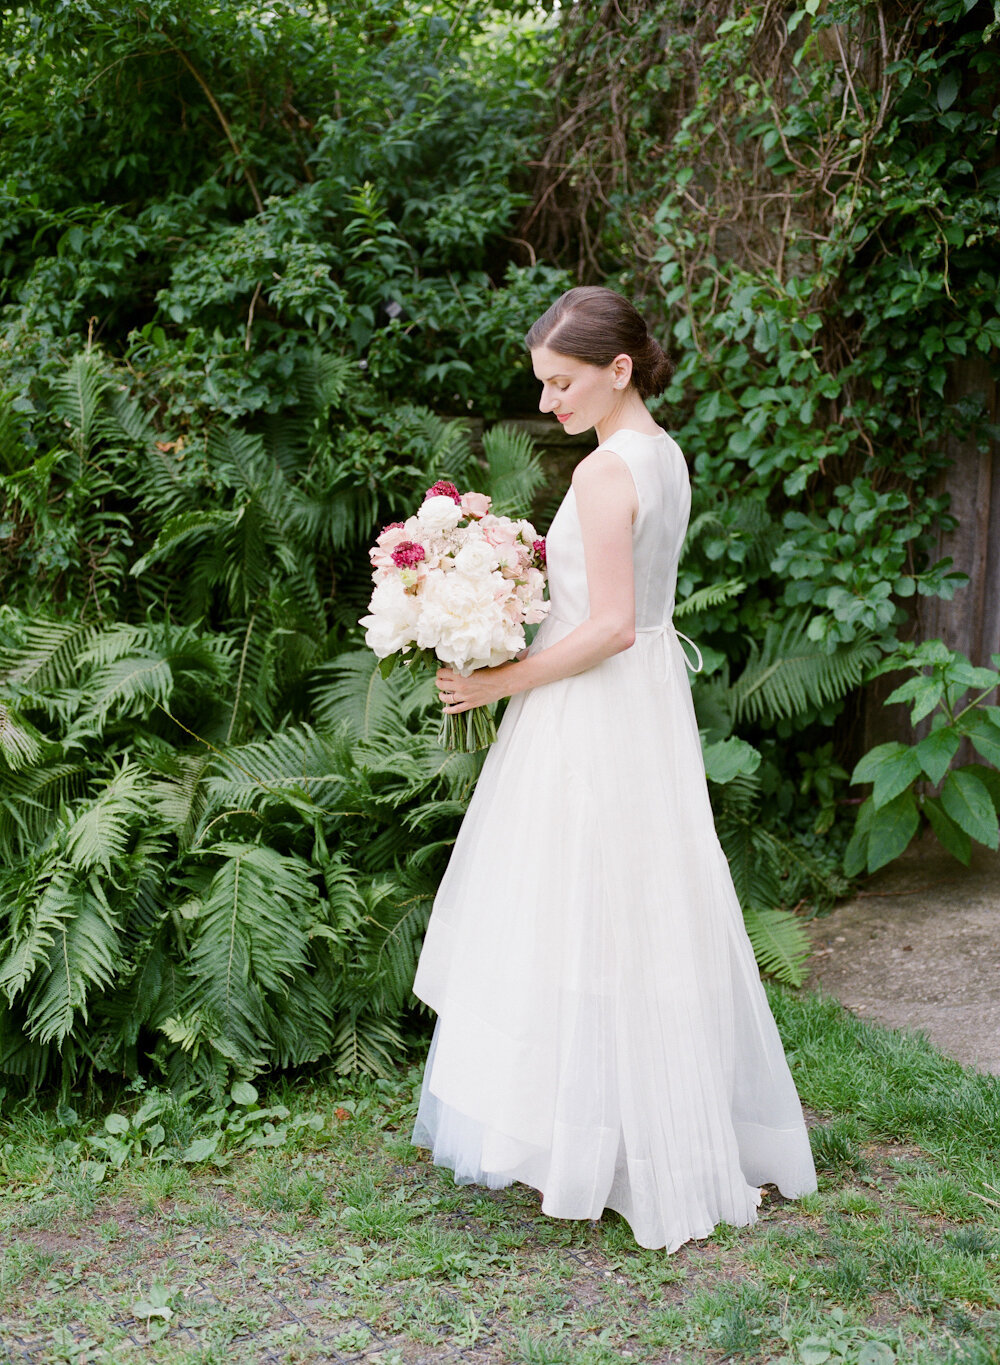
(579, 395)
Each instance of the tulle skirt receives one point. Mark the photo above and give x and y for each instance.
(602, 1033)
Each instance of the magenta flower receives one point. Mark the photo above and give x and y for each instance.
(539, 548)
(443, 489)
(408, 554)
(393, 526)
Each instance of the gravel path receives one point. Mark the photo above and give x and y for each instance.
(918, 948)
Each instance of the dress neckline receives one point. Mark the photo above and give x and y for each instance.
(633, 431)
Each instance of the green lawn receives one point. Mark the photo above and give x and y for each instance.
(320, 1234)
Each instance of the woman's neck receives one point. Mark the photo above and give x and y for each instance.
(631, 415)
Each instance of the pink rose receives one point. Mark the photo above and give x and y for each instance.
(475, 504)
(381, 552)
(539, 548)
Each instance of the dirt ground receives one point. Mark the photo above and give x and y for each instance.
(918, 948)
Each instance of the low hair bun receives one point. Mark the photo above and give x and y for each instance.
(594, 324)
(652, 370)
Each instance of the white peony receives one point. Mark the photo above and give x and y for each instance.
(439, 513)
(462, 619)
(394, 613)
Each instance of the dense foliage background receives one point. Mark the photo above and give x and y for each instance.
(261, 264)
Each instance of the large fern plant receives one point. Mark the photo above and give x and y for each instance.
(218, 842)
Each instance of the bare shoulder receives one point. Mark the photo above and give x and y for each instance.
(602, 468)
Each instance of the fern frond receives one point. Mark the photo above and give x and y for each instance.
(250, 937)
(787, 672)
(98, 835)
(167, 489)
(364, 1043)
(450, 448)
(48, 657)
(397, 921)
(30, 801)
(76, 397)
(15, 437)
(752, 862)
(20, 743)
(83, 956)
(350, 691)
(294, 760)
(179, 797)
(198, 526)
(708, 520)
(780, 943)
(514, 470)
(713, 595)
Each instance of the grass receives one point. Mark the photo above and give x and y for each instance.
(314, 1232)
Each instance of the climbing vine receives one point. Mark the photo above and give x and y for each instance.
(807, 198)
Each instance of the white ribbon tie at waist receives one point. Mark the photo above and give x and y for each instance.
(668, 628)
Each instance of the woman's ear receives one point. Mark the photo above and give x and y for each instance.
(621, 371)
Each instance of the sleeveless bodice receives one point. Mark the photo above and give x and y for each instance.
(664, 497)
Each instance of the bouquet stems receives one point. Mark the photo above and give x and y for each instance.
(469, 730)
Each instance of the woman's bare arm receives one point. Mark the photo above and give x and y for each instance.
(606, 503)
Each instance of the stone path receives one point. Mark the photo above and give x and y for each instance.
(918, 948)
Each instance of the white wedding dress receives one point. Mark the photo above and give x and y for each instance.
(602, 1032)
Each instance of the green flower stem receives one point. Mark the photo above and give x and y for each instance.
(467, 731)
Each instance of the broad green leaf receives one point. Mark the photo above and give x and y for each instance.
(729, 758)
(116, 1123)
(866, 768)
(969, 676)
(856, 853)
(955, 840)
(947, 90)
(201, 1149)
(925, 693)
(969, 803)
(876, 1353)
(892, 829)
(936, 752)
(990, 778)
(814, 1351)
(894, 775)
(985, 736)
(244, 1093)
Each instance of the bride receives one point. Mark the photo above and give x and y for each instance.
(602, 1033)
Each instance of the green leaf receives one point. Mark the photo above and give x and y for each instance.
(892, 829)
(876, 1353)
(116, 1123)
(201, 1149)
(990, 778)
(985, 736)
(969, 803)
(856, 852)
(955, 840)
(866, 769)
(729, 758)
(244, 1093)
(895, 773)
(947, 90)
(936, 752)
(925, 693)
(814, 1351)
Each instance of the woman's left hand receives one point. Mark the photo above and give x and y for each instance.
(480, 688)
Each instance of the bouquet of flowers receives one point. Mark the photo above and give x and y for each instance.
(457, 585)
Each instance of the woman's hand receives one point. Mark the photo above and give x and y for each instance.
(480, 688)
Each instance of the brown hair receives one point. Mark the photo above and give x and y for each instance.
(594, 325)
